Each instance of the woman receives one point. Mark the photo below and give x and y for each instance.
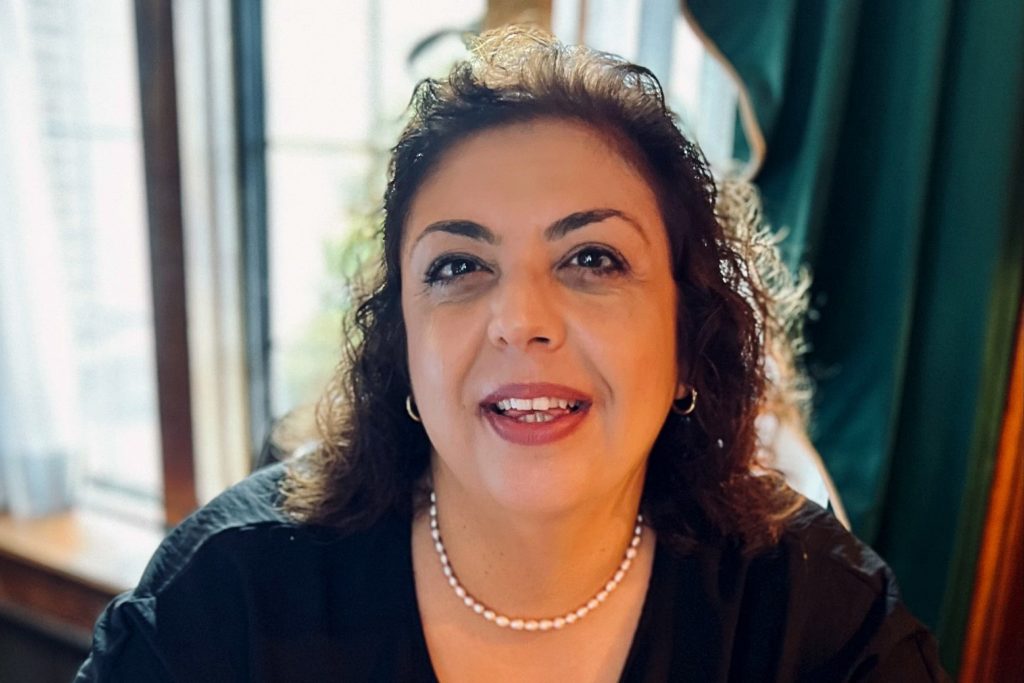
(539, 462)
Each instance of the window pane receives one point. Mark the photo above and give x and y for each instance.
(76, 217)
(338, 78)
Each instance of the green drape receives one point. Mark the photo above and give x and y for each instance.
(894, 163)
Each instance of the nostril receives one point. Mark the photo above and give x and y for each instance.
(525, 328)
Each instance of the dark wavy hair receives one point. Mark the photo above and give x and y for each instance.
(702, 479)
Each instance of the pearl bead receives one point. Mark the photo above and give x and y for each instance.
(501, 620)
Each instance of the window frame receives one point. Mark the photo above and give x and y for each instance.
(162, 167)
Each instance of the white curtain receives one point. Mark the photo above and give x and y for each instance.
(36, 369)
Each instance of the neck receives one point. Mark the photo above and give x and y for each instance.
(530, 562)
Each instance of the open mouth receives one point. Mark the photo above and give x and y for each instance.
(535, 414)
(529, 410)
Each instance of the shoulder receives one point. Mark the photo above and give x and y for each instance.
(819, 605)
(837, 585)
(243, 537)
(253, 502)
(844, 601)
(824, 550)
(134, 637)
(234, 576)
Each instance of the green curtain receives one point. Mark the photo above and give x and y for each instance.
(894, 164)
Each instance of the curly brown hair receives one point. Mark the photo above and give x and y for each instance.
(734, 303)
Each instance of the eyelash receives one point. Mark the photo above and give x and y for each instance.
(614, 264)
(433, 276)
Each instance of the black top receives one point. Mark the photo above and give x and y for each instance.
(239, 593)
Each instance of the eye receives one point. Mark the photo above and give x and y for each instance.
(451, 267)
(597, 260)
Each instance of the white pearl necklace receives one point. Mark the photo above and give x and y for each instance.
(519, 624)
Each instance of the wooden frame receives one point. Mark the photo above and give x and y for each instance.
(157, 90)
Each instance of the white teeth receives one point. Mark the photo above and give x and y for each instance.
(542, 403)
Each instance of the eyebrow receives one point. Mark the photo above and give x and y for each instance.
(460, 227)
(575, 221)
(557, 230)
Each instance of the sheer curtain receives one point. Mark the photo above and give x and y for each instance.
(36, 370)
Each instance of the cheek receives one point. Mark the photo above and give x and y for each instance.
(633, 346)
(441, 350)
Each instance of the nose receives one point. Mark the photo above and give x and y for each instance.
(525, 314)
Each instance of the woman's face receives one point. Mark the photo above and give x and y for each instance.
(541, 315)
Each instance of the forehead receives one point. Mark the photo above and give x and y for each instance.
(531, 172)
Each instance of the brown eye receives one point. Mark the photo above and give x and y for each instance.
(597, 260)
(449, 268)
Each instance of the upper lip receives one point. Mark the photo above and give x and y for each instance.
(534, 390)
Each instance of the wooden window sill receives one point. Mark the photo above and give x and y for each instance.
(57, 573)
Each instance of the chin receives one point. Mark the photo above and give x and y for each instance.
(541, 485)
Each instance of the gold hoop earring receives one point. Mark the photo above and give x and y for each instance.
(411, 410)
(689, 408)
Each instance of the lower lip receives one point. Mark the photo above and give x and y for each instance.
(535, 433)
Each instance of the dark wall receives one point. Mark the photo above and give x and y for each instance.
(28, 655)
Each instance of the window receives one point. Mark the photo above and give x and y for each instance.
(77, 364)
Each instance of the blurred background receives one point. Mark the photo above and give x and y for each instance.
(186, 188)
